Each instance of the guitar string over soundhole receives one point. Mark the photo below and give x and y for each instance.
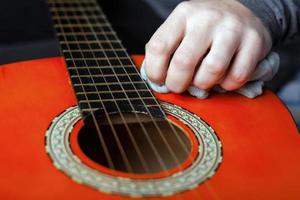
(140, 146)
(62, 145)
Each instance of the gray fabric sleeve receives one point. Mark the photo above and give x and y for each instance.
(281, 17)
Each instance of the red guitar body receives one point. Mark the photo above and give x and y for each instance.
(260, 141)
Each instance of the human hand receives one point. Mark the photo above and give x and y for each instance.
(206, 43)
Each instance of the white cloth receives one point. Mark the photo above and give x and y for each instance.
(265, 71)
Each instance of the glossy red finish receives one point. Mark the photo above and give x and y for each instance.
(261, 144)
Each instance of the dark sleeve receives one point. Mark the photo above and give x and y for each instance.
(281, 17)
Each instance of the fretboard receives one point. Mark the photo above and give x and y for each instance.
(102, 73)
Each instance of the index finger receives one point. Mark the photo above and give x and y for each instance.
(161, 46)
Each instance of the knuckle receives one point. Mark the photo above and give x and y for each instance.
(155, 77)
(212, 14)
(231, 26)
(183, 7)
(255, 36)
(156, 46)
(182, 61)
(234, 21)
(215, 67)
(239, 78)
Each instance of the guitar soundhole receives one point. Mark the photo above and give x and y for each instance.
(140, 146)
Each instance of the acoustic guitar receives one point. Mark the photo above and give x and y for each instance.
(86, 126)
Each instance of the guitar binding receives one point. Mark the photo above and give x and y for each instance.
(202, 168)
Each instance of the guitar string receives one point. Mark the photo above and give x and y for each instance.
(129, 132)
(195, 193)
(102, 141)
(167, 174)
(171, 125)
(154, 121)
(115, 135)
(136, 147)
(178, 196)
(130, 103)
(110, 163)
(144, 165)
(161, 135)
(174, 130)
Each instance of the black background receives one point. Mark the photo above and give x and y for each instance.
(26, 31)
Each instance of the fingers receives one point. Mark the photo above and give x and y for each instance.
(235, 38)
(244, 64)
(186, 58)
(161, 46)
(216, 63)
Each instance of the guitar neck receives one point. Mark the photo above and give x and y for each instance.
(101, 71)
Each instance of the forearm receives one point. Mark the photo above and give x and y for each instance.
(281, 17)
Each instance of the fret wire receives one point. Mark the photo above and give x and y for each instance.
(126, 126)
(146, 84)
(93, 50)
(96, 109)
(113, 91)
(173, 129)
(80, 25)
(125, 82)
(145, 131)
(87, 33)
(159, 107)
(161, 134)
(112, 32)
(89, 110)
(92, 42)
(112, 49)
(74, 9)
(94, 59)
(126, 52)
(159, 158)
(57, 17)
(102, 75)
(116, 99)
(109, 160)
(93, 15)
(171, 152)
(70, 1)
(102, 67)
